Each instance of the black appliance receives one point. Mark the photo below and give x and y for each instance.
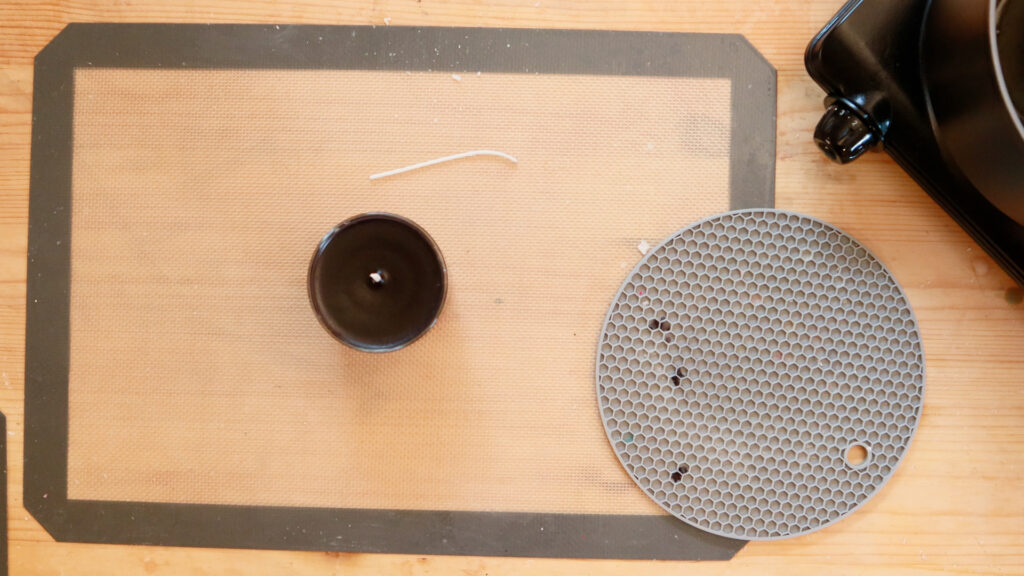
(938, 85)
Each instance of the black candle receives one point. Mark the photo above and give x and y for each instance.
(377, 282)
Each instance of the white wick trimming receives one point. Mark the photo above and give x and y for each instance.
(442, 160)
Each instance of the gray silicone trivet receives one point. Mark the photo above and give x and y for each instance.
(743, 358)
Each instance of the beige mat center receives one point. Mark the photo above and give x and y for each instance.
(198, 371)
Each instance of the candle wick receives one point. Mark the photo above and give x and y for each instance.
(442, 160)
(377, 279)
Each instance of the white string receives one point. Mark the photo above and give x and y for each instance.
(442, 160)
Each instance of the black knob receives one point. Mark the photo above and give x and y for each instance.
(843, 135)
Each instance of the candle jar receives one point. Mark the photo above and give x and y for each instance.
(377, 282)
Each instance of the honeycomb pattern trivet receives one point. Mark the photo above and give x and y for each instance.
(760, 374)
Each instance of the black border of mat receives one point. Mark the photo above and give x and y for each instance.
(4, 546)
(463, 50)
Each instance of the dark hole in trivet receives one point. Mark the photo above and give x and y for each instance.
(654, 324)
(665, 326)
(678, 474)
(675, 380)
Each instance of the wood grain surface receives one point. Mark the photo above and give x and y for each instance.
(956, 505)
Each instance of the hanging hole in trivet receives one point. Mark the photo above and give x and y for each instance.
(857, 455)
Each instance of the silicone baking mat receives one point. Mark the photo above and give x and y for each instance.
(180, 390)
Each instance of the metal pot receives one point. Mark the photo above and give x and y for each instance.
(972, 65)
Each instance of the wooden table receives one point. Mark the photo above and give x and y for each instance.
(956, 505)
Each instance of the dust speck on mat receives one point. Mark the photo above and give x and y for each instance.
(643, 247)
